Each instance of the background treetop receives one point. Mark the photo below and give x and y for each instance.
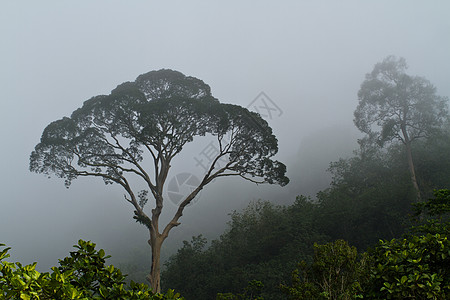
(396, 106)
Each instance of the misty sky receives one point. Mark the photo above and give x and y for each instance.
(308, 57)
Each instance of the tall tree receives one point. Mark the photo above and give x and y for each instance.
(396, 106)
(147, 123)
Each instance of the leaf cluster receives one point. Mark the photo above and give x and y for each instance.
(251, 292)
(433, 216)
(416, 267)
(82, 275)
(337, 272)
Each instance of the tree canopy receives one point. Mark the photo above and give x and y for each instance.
(395, 105)
(160, 112)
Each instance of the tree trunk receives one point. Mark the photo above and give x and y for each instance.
(155, 273)
(412, 171)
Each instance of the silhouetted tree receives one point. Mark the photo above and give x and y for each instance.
(147, 123)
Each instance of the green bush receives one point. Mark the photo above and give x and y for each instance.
(433, 216)
(251, 292)
(417, 267)
(414, 267)
(336, 273)
(82, 275)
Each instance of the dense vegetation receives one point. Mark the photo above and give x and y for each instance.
(415, 265)
(369, 199)
(263, 242)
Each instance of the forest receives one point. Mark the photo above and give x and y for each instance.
(379, 231)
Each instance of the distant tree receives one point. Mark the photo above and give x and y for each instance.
(147, 123)
(370, 194)
(396, 106)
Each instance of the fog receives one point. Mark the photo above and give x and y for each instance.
(307, 57)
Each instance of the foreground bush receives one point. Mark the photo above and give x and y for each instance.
(82, 275)
(417, 267)
(336, 273)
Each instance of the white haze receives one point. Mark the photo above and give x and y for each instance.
(309, 57)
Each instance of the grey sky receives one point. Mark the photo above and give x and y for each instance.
(309, 57)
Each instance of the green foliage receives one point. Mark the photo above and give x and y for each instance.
(432, 162)
(369, 198)
(413, 267)
(417, 267)
(82, 275)
(88, 268)
(261, 243)
(251, 292)
(433, 216)
(335, 273)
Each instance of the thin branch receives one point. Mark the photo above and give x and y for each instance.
(143, 173)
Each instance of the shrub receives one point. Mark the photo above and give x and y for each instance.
(336, 273)
(82, 275)
(417, 267)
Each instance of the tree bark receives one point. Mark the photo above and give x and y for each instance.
(412, 171)
(154, 277)
(156, 238)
